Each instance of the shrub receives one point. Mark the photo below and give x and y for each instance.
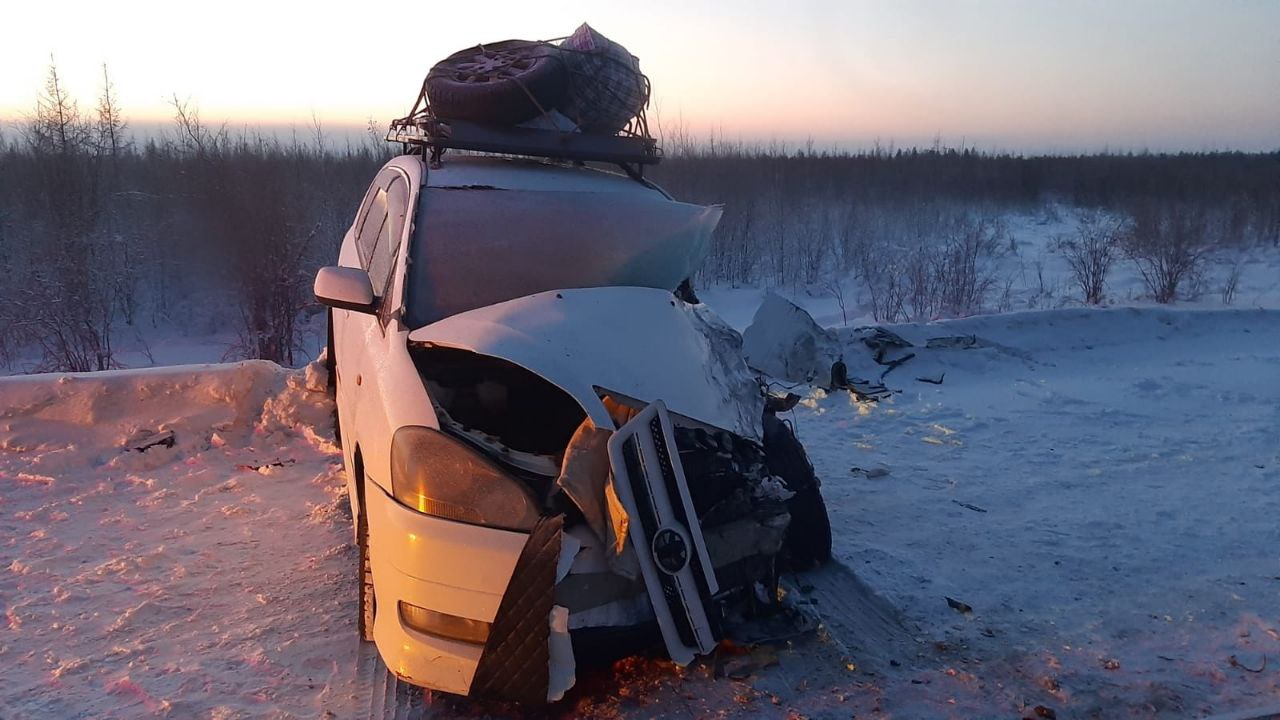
(925, 262)
(1092, 252)
(1167, 243)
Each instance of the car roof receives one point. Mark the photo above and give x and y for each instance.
(507, 173)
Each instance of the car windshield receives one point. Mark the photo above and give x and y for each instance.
(478, 245)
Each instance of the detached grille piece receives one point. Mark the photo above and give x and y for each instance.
(665, 531)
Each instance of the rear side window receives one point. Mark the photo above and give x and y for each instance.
(386, 244)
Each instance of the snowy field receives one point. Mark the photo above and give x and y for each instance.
(1099, 486)
(1096, 489)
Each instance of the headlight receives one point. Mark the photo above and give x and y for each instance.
(438, 475)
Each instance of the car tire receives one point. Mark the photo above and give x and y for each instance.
(330, 359)
(368, 603)
(808, 540)
(331, 385)
(503, 83)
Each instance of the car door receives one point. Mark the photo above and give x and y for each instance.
(346, 326)
(366, 343)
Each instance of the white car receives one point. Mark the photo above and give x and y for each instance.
(551, 457)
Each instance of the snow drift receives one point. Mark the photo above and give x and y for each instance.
(206, 576)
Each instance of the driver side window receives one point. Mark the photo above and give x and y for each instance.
(371, 228)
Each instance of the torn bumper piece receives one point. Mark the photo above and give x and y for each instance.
(516, 661)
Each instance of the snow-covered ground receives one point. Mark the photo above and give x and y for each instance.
(207, 579)
(1100, 486)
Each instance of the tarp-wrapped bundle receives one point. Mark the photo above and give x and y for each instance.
(606, 88)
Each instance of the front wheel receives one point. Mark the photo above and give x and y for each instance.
(808, 539)
(331, 385)
(368, 606)
(330, 359)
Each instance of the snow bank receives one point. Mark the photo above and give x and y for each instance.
(209, 578)
(90, 417)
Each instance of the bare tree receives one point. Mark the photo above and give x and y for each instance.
(66, 301)
(836, 289)
(965, 277)
(1232, 283)
(248, 198)
(111, 125)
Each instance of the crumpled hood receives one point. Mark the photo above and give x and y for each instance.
(640, 342)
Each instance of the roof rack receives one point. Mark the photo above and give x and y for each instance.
(632, 148)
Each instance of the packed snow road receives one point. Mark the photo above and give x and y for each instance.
(1096, 490)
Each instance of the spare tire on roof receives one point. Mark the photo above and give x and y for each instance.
(503, 83)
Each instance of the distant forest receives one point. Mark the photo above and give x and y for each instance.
(100, 230)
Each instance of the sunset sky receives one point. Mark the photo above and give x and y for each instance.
(1053, 76)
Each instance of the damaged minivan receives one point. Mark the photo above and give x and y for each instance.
(554, 453)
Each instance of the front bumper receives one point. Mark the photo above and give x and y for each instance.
(445, 566)
(509, 580)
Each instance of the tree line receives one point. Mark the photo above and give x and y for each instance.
(103, 231)
(798, 217)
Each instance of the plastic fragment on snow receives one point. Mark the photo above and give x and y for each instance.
(562, 670)
(569, 547)
(783, 341)
(266, 466)
(953, 342)
(147, 439)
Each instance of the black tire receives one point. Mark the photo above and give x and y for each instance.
(331, 364)
(368, 605)
(808, 540)
(503, 83)
(330, 360)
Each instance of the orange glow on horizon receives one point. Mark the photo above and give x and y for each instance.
(1088, 75)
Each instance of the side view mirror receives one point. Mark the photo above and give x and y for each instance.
(345, 288)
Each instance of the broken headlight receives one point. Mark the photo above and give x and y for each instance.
(441, 476)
